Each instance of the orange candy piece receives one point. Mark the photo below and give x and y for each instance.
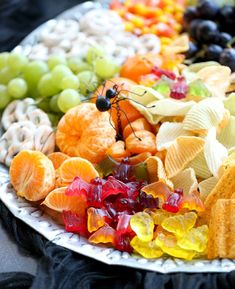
(58, 201)
(86, 132)
(146, 144)
(32, 175)
(105, 234)
(75, 167)
(57, 159)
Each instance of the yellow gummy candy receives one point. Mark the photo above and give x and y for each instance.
(195, 239)
(148, 250)
(159, 216)
(180, 224)
(168, 244)
(142, 224)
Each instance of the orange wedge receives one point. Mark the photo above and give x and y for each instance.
(75, 167)
(57, 159)
(58, 201)
(32, 175)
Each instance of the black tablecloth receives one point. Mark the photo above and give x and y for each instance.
(59, 268)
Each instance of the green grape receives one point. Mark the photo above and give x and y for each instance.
(77, 65)
(70, 81)
(17, 88)
(105, 68)
(93, 53)
(54, 119)
(3, 59)
(88, 82)
(44, 104)
(6, 75)
(197, 90)
(5, 98)
(34, 71)
(67, 99)
(163, 87)
(17, 62)
(54, 104)
(59, 72)
(55, 60)
(46, 86)
(33, 90)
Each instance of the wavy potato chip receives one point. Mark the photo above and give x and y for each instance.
(156, 171)
(204, 115)
(186, 180)
(200, 166)
(227, 163)
(144, 95)
(181, 152)
(215, 153)
(229, 103)
(216, 78)
(206, 186)
(227, 134)
(168, 132)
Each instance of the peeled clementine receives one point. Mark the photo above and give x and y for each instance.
(118, 150)
(141, 141)
(32, 175)
(57, 159)
(138, 124)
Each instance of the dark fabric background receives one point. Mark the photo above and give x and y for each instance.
(59, 268)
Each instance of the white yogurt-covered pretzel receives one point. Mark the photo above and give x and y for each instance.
(44, 139)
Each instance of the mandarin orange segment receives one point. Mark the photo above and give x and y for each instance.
(118, 150)
(32, 175)
(124, 86)
(141, 141)
(58, 201)
(86, 132)
(57, 159)
(75, 167)
(138, 124)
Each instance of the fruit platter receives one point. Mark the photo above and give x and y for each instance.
(118, 133)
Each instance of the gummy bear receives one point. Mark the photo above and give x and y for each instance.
(75, 223)
(172, 204)
(180, 224)
(168, 244)
(146, 249)
(158, 215)
(195, 239)
(95, 219)
(77, 187)
(105, 234)
(114, 187)
(157, 190)
(192, 202)
(142, 224)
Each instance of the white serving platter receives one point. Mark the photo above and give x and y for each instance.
(43, 224)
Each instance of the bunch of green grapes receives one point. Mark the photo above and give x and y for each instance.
(58, 84)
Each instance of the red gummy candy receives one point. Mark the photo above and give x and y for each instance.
(114, 187)
(179, 88)
(173, 202)
(123, 172)
(75, 223)
(94, 196)
(160, 72)
(77, 188)
(123, 242)
(123, 225)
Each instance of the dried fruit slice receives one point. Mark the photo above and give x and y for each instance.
(57, 159)
(75, 167)
(59, 201)
(32, 175)
(181, 152)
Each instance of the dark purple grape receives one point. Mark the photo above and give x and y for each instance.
(227, 58)
(207, 31)
(223, 39)
(213, 52)
(227, 18)
(190, 14)
(193, 27)
(193, 49)
(207, 9)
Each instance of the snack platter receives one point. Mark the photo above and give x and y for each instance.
(36, 218)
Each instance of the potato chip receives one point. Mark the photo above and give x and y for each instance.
(229, 103)
(227, 163)
(224, 189)
(222, 230)
(204, 115)
(144, 95)
(196, 67)
(200, 166)
(181, 152)
(227, 134)
(185, 180)
(215, 153)
(216, 78)
(156, 171)
(170, 107)
(206, 186)
(168, 132)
